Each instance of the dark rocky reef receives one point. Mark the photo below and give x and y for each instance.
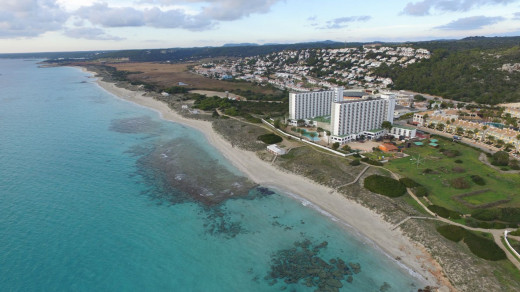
(303, 264)
(136, 125)
(183, 172)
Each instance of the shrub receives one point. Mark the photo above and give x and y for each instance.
(480, 246)
(429, 171)
(270, 138)
(511, 215)
(460, 183)
(500, 158)
(452, 232)
(335, 145)
(498, 225)
(459, 161)
(516, 232)
(385, 186)
(472, 222)
(483, 247)
(491, 225)
(486, 214)
(356, 155)
(478, 180)
(420, 191)
(355, 162)
(450, 153)
(252, 119)
(484, 225)
(457, 169)
(408, 182)
(443, 212)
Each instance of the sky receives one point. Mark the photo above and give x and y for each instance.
(84, 25)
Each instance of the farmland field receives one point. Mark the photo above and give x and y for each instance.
(167, 75)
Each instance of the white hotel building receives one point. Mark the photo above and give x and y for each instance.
(308, 105)
(351, 118)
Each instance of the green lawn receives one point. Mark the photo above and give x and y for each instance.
(484, 198)
(443, 169)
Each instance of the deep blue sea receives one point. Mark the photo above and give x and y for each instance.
(98, 194)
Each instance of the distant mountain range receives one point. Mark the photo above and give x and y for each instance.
(251, 49)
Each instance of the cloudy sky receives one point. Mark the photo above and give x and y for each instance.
(66, 25)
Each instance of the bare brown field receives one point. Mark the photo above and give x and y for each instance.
(167, 75)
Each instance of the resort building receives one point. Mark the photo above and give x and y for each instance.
(447, 115)
(399, 131)
(352, 117)
(307, 105)
(514, 112)
(276, 150)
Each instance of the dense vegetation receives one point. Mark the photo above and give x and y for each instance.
(452, 232)
(510, 215)
(443, 212)
(466, 75)
(408, 182)
(479, 245)
(483, 247)
(270, 138)
(500, 158)
(239, 108)
(384, 185)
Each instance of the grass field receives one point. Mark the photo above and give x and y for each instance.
(436, 171)
(484, 198)
(167, 75)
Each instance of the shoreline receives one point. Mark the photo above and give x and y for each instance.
(353, 216)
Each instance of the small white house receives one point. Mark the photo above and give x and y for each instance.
(276, 150)
(407, 132)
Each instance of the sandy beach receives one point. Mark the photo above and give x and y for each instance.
(356, 217)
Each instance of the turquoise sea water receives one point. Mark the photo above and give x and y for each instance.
(97, 194)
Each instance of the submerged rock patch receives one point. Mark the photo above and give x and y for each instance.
(303, 264)
(136, 125)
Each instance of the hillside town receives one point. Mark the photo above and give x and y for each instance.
(314, 69)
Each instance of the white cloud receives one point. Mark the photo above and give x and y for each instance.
(342, 22)
(102, 14)
(90, 34)
(471, 23)
(223, 10)
(30, 18)
(106, 16)
(425, 7)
